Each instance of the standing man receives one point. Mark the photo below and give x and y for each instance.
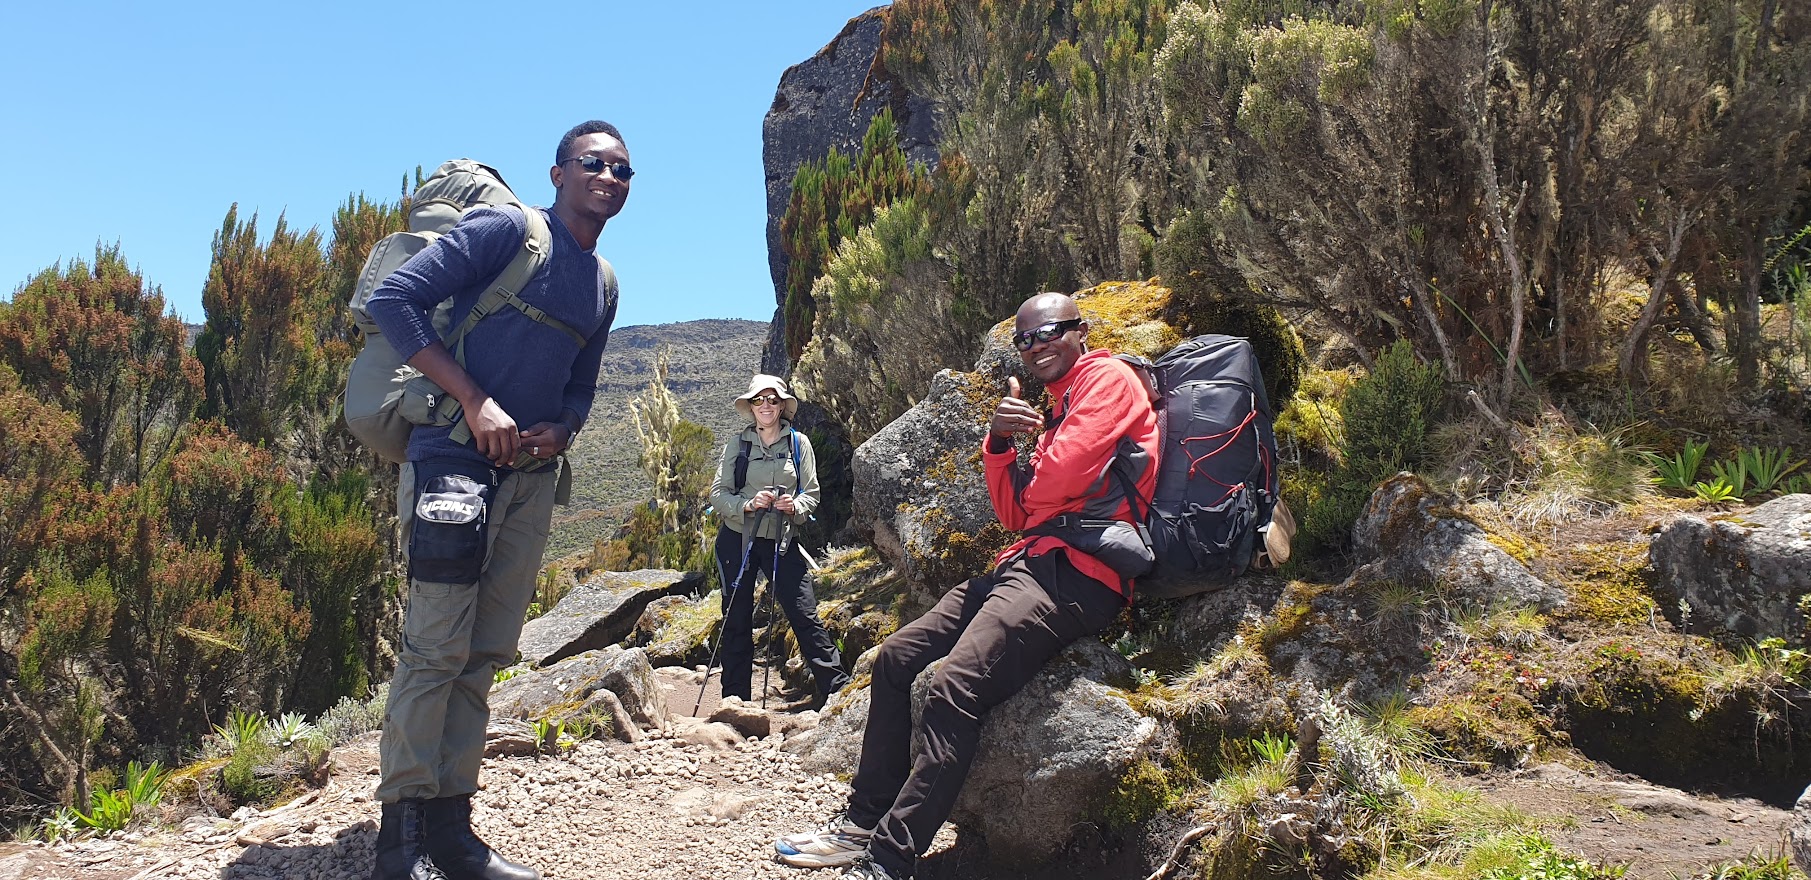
(475, 509)
(999, 629)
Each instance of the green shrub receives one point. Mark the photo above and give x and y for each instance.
(352, 717)
(241, 778)
(1386, 417)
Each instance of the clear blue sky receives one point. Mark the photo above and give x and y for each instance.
(141, 123)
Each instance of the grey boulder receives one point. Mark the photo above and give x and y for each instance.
(1046, 757)
(1411, 534)
(613, 682)
(1743, 573)
(599, 612)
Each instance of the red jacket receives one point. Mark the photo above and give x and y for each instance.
(1106, 401)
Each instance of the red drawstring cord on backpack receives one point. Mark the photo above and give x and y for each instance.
(1232, 436)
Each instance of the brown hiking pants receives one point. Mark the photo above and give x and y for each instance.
(997, 630)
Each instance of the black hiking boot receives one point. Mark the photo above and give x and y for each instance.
(458, 852)
(402, 844)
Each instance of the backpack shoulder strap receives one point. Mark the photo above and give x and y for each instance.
(742, 463)
(537, 248)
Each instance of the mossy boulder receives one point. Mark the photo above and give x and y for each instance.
(1411, 534)
(577, 686)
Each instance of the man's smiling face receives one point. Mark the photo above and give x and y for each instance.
(597, 195)
(1050, 360)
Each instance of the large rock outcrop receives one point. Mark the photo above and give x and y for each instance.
(1743, 573)
(1047, 757)
(599, 612)
(827, 101)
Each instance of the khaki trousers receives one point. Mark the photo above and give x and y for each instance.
(455, 636)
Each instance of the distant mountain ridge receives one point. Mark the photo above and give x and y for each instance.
(709, 363)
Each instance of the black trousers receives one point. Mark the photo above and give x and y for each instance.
(786, 578)
(998, 631)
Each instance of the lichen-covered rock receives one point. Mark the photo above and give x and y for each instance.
(676, 630)
(920, 489)
(1047, 757)
(599, 612)
(567, 688)
(1410, 534)
(823, 102)
(1744, 573)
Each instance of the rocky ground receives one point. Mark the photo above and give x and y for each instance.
(669, 808)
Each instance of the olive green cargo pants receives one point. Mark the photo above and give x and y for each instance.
(469, 590)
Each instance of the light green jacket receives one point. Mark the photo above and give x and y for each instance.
(767, 466)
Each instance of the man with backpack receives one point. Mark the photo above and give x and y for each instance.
(476, 497)
(1067, 579)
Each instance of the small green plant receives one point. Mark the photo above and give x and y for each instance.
(505, 673)
(1796, 484)
(292, 729)
(1734, 474)
(1680, 471)
(1272, 748)
(547, 735)
(1754, 868)
(1715, 492)
(1539, 860)
(1767, 468)
(242, 728)
(109, 811)
(144, 784)
(61, 825)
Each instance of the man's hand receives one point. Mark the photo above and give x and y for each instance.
(1014, 415)
(546, 439)
(493, 432)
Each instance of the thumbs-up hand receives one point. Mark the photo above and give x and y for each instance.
(1013, 415)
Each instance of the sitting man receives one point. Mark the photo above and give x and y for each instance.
(999, 629)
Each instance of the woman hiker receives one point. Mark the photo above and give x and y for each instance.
(766, 485)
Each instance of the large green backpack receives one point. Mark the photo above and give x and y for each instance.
(386, 398)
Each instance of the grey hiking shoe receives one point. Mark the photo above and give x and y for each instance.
(866, 869)
(837, 843)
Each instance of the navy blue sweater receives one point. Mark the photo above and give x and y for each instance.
(530, 369)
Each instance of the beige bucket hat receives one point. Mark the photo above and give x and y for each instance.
(763, 382)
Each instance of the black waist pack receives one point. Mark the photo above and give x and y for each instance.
(1121, 545)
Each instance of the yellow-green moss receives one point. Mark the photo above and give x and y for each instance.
(1607, 582)
(1518, 549)
(1143, 791)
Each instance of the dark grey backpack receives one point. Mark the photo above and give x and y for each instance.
(1217, 482)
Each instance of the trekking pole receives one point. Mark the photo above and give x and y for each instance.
(729, 606)
(779, 549)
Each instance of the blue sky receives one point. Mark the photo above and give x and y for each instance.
(142, 123)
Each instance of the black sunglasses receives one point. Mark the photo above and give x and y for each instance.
(765, 400)
(592, 164)
(1025, 339)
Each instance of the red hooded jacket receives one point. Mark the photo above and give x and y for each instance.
(1106, 400)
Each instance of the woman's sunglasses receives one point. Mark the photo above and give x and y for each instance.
(765, 400)
(592, 164)
(1025, 339)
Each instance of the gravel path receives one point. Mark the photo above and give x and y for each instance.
(660, 808)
